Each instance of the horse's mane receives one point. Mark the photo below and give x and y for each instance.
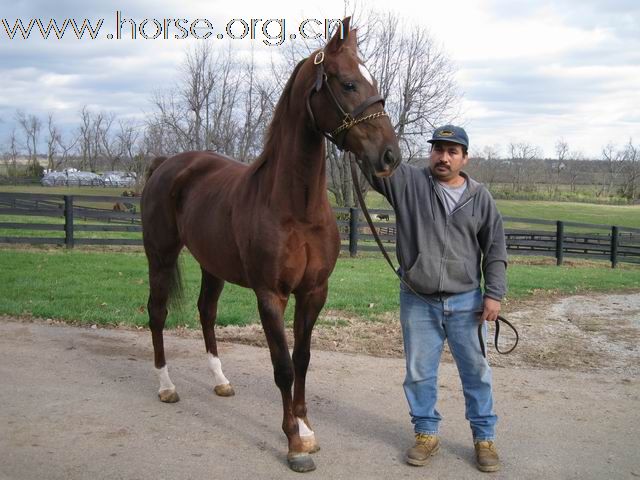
(279, 116)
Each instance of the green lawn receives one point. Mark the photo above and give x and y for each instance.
(57, 228)
(621, 215)
(112, 287)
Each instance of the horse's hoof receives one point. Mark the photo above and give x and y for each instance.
(224, 390)
(300, 462)
(169, 396)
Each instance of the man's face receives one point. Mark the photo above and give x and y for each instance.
(447, 159)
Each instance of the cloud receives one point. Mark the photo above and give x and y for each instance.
(540, 70)
(532, 70)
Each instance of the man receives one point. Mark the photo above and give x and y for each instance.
(449, 235)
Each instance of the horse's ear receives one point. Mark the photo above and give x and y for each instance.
(340, 37)
(353, 37)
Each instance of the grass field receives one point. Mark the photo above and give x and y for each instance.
(621, 215)
(112, 287)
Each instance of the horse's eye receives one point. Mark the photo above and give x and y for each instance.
(349, 86)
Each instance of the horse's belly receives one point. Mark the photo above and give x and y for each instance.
(213, 246)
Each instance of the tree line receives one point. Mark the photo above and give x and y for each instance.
(524, 169)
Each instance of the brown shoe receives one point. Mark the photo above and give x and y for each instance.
(425, 447)
(487, 456)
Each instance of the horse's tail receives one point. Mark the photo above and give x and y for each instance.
(176, 291)
(176, 287)
(155, 163)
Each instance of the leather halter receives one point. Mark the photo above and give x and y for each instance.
(349, 120)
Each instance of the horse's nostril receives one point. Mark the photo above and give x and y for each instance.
(389, 158)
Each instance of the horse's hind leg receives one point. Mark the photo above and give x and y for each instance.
(210, 290)
(162, 276)
(308, 306)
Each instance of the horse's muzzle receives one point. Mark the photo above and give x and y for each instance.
(389, 161)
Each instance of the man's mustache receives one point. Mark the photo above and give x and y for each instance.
(443, 165)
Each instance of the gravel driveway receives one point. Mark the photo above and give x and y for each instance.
(80, 403)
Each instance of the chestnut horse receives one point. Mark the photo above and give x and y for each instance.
(268, 226)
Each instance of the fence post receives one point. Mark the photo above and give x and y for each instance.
(68, 221)
(614, 246)
(559, 242)
(354, 213)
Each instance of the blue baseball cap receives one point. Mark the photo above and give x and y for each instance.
(450, 133)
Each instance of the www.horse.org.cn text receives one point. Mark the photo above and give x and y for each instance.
(271, 31)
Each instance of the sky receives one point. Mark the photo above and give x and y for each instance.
(532, 71)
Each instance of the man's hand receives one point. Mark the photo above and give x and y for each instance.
(491, 310)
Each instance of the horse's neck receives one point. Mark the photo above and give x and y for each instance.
(296, 173)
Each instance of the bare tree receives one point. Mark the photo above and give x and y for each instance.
(630, 158)
(491, 152)
(53, 141)
(31, 127)
(573, 170)
(258, 103)
(200, 112)
(132, 155)
(611, 156)
(58, 149)
(487, 165)
(562, 153)
(225, 128)
(11, 153)
(172, 121)
(89, 138)
(521, 155)
(200, 77)
(157, 139)
(108, 145)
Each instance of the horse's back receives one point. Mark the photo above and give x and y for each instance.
(172, 180)
(165, 170)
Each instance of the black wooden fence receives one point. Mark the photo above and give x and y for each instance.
(106, 220)
(68, 218)
(524, 236)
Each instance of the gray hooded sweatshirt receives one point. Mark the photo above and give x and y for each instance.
(441, 253)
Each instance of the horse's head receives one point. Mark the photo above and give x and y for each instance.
(345, 105)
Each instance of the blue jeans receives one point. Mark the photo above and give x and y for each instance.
(426, 322)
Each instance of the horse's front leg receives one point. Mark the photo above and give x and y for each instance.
(271, 308)
(308, 306)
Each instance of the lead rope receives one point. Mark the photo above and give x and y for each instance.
(365, 211)
(497, 334)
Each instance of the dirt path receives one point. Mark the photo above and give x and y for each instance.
(80, 403)
(596, 333)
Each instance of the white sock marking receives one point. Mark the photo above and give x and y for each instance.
(303, 430)
(365, 73)
(165, 381)
(216, 367)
